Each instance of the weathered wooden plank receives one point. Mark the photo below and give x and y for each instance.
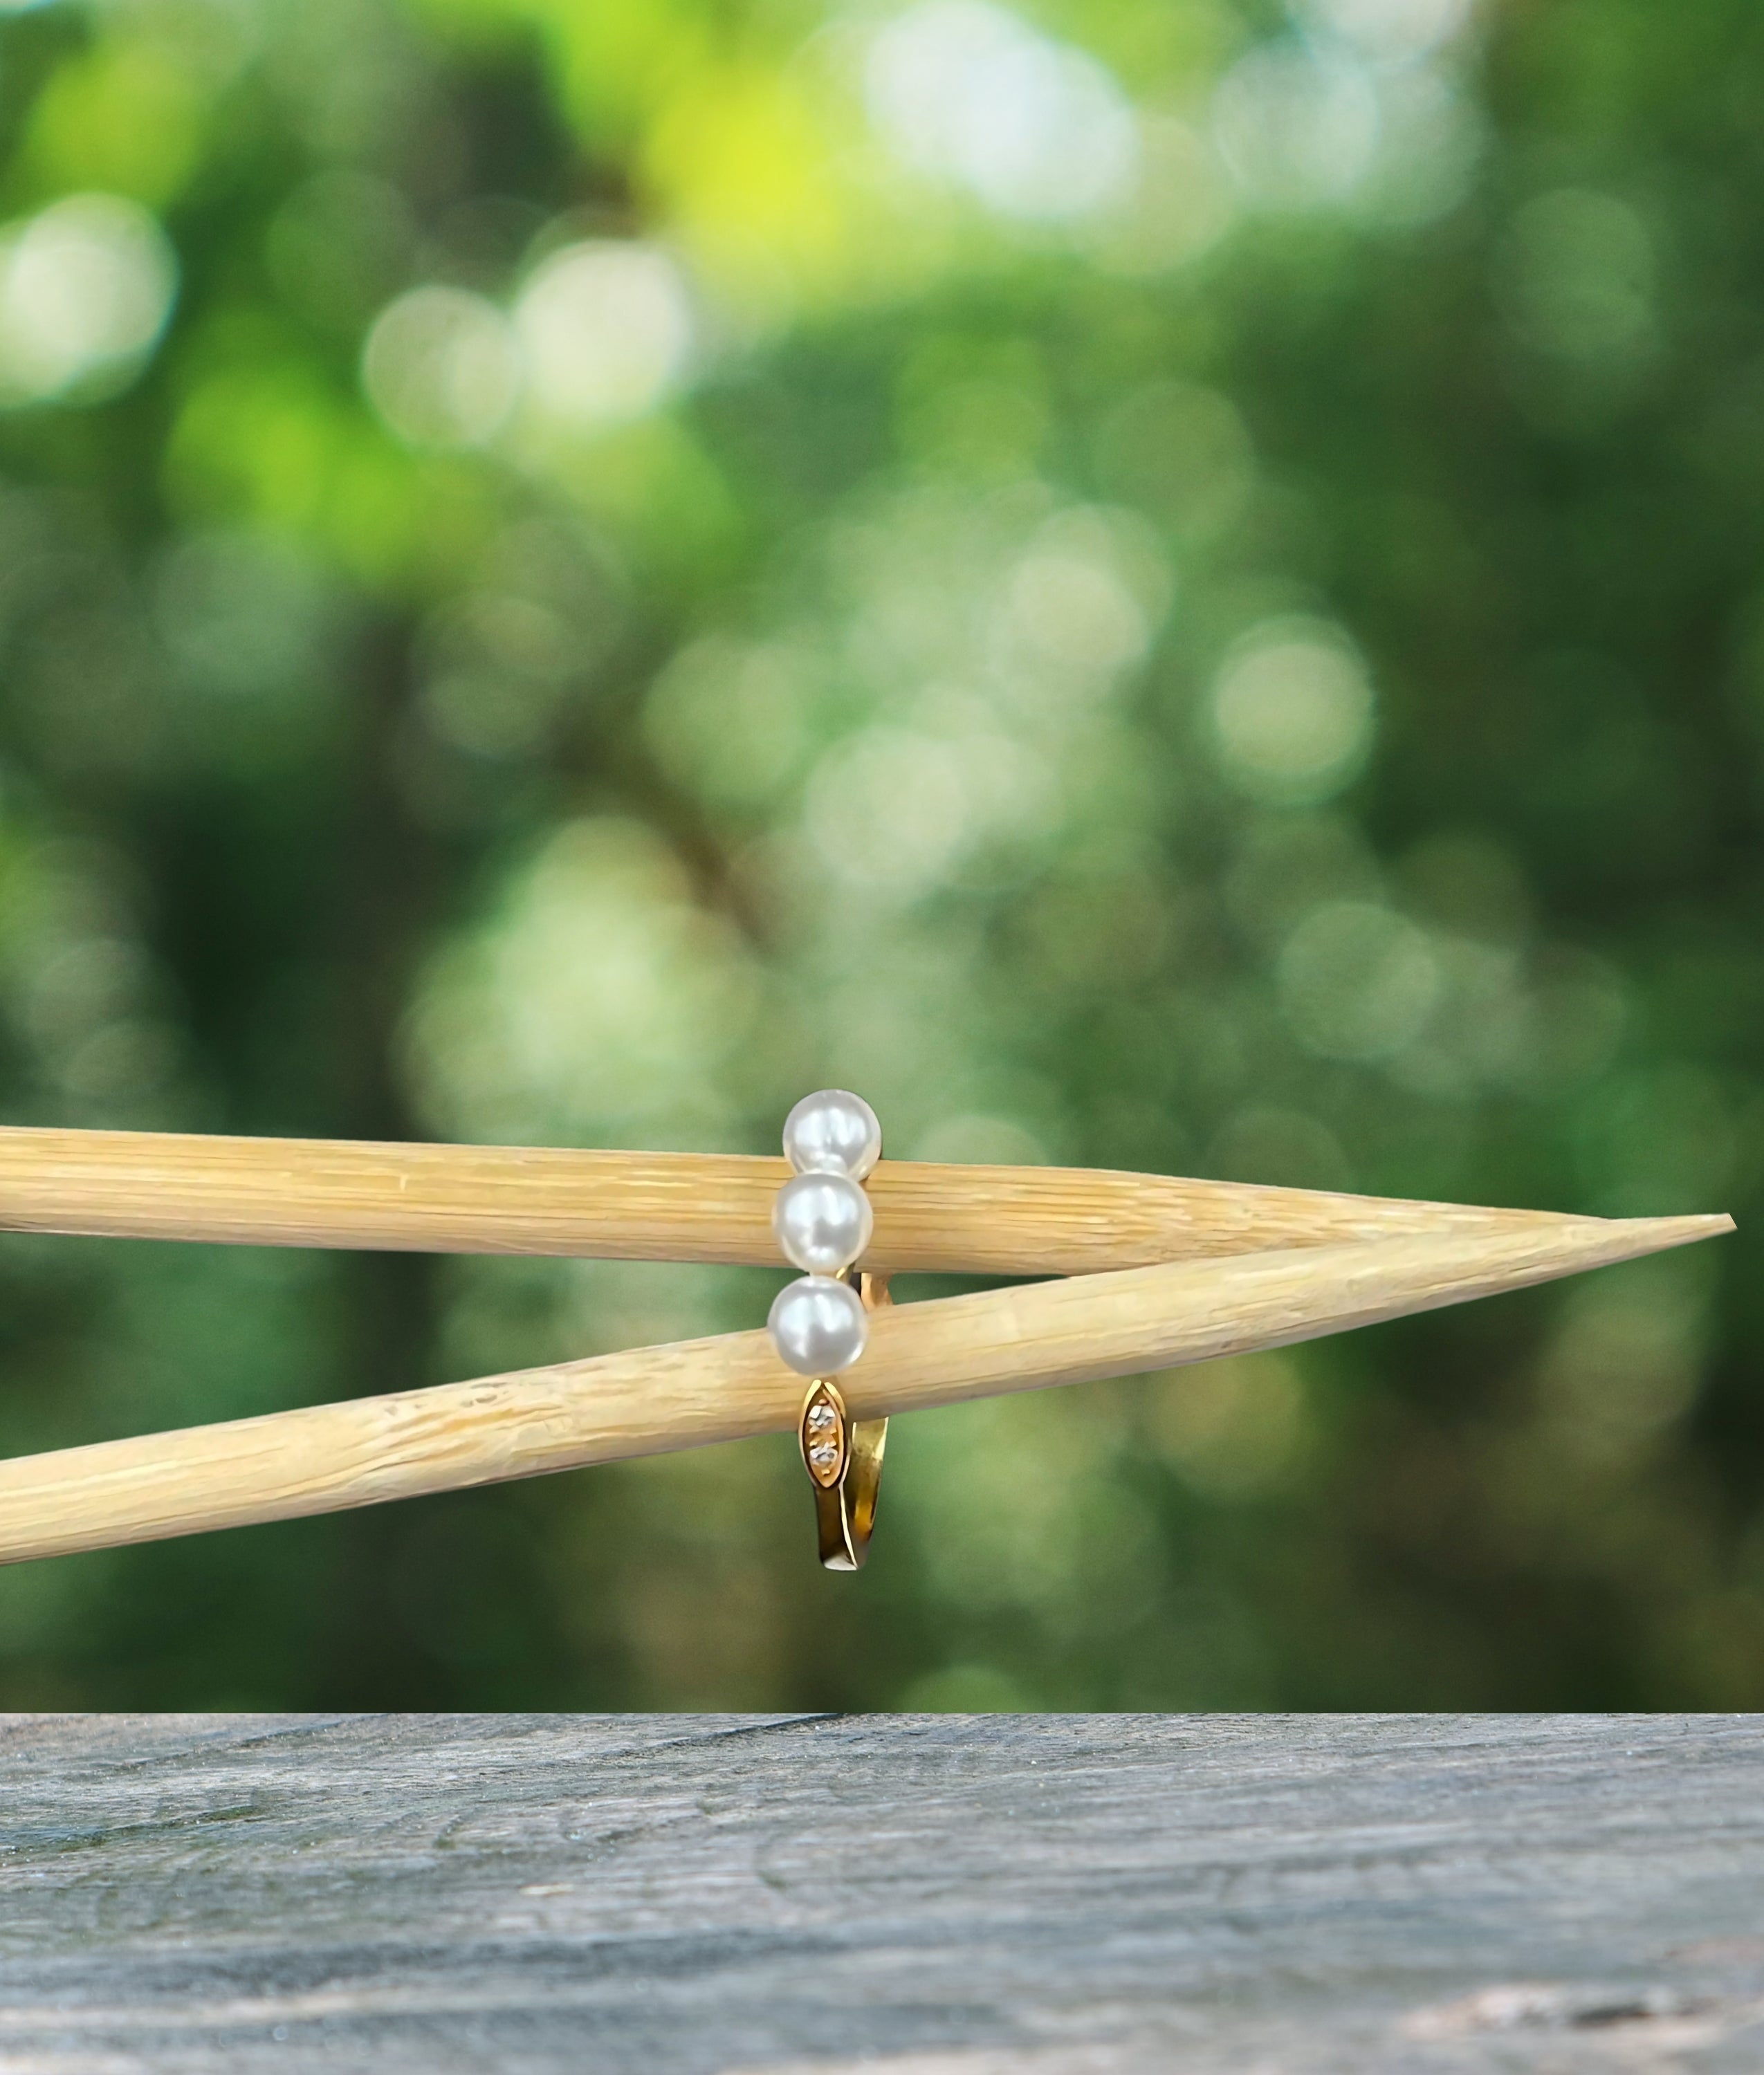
(928, 1896)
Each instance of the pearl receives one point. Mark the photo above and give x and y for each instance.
(817, 1325)
(823, 1222)
(833, 1132)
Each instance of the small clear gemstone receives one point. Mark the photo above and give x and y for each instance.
(820, 1418)
(823, 1455)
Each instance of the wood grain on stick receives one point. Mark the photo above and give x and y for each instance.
(661, 1206)
(680, 1396)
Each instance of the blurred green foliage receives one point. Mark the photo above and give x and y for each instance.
(1166, 584)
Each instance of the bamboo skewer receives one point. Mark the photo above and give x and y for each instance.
(663, 1205)
(651, 1400)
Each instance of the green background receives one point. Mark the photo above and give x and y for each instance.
(1163, 584)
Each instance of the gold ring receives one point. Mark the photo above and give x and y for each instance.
(820, 1324)
(843, 1455)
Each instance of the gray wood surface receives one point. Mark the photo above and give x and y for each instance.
(916, 1896)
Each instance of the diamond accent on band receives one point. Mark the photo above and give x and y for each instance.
(821, 1434)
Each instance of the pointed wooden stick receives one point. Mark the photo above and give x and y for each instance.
(692, 1392)
(661, 1206)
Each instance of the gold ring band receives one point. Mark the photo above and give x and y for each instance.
(843, 1455)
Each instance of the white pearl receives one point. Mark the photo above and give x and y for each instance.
(833, 1132)
(823, 1222)
(817, 1325)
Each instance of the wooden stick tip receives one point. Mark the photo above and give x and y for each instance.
(1678, 1230)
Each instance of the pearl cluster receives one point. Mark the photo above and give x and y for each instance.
(823, 1221)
